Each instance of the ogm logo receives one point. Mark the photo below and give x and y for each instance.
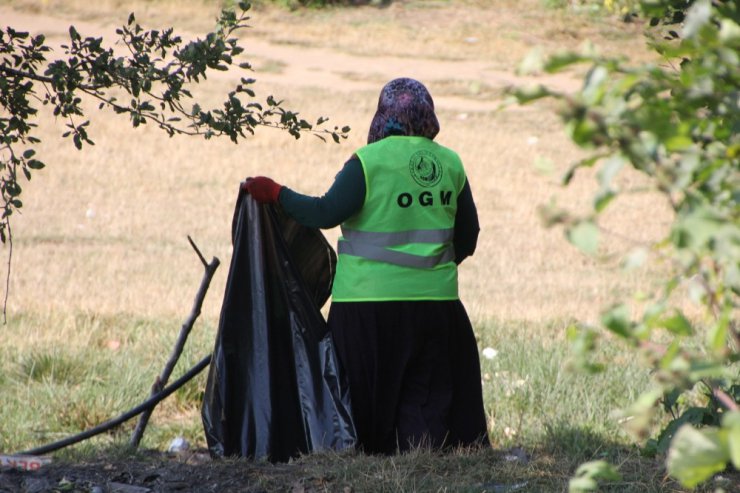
(425, 169)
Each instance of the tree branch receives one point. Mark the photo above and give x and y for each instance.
(725, 399)
(162, 124)
(7, 277)
(197, 252)
(161, 380)
(40, 78)
(25, 75)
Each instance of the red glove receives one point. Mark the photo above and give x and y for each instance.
(264, 190)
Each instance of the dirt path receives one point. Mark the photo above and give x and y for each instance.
(306, 67)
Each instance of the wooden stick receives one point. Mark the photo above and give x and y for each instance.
(161, 380)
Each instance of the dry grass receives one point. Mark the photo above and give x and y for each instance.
(104, 229)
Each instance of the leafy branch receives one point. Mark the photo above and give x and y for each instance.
(678, 125)
(155, 75)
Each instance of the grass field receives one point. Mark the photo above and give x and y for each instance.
(103, 275)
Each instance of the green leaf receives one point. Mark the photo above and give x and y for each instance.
(673, 359)
(599, 469)
(698, 16)
(582, 485)
(641, 412)
(585, 236)
(602, 199)
(544, 165)
(702, 369)
(610, 169)
(528, 94)
(617, 320)
(532, 64)
(569, 174)
(717, 333)
(559, 61)
(635, 259)
(731, 425)
(13, 189)
(731, 419)
(678, 143)
(588, 473)
(593, 88)
(582, 345)
(695, 455)
(733, 444)
(729, 32)
(678, 324)
(583, 163)
(582, 131)
(693, 416)
(696, 228)
(670, 399)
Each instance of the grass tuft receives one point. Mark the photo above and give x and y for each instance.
(50, 366)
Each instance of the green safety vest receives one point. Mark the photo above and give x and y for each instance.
(399, 245)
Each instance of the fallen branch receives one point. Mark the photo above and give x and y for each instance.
(161, 381)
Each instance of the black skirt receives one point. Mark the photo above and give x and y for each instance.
(413, 372)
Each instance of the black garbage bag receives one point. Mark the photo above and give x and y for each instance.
(274, 388)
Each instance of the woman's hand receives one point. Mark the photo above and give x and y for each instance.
(263, 189)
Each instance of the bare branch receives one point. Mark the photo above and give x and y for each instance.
(161, 380)
(7, 277)
(725, 399)
(197, 251)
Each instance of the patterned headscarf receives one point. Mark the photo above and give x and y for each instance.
(405, 107)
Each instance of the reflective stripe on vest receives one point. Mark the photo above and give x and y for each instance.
(373, 246)
(399, 237)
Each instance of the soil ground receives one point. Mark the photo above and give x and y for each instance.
(190, 472)
(157, 472)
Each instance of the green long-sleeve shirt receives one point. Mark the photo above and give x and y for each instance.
(347, 194)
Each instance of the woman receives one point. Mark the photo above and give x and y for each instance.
(401, 333)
